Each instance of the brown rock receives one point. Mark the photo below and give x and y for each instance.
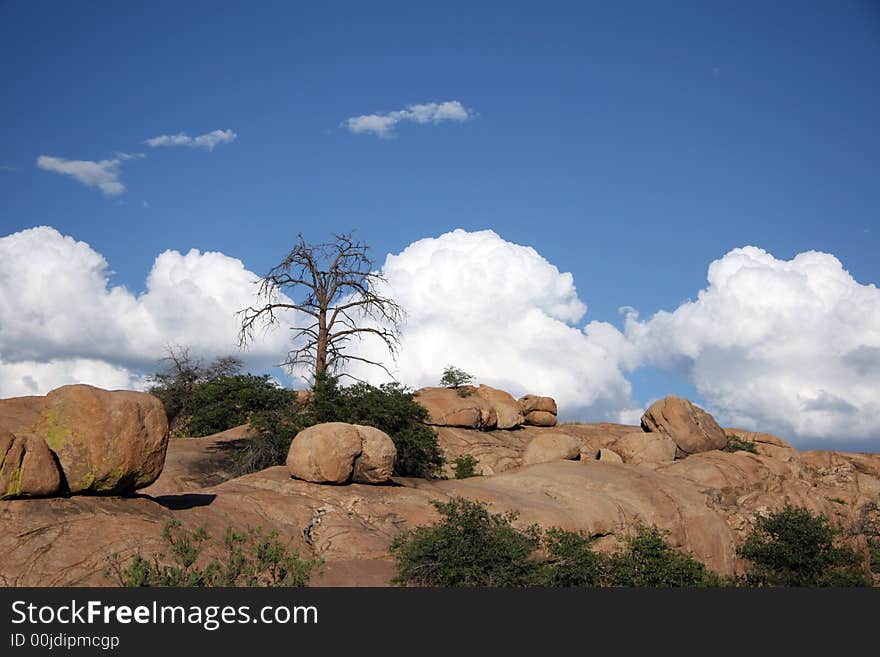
(541, 419)
(324, 453)
(106, 442)
(338, 452)
(606, 455)
(375, 465)
(767, 444)
(530, 403)
(640, 447)
(27, 467)
(691, 428)
(508, 412)
(551, 447)
(448, 407)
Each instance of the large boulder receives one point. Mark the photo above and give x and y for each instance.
(767, 444)
(105, 442)
(338, 452)
(508, 413)
(640, 447)
(548, 447)
(461, 407)
(691, 428)
(606, 455)
(538, 411)
(27, 467)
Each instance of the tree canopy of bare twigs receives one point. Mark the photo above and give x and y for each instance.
(335, 287)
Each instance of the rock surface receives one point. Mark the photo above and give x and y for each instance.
(551, 446)
(338, 452)
(106, 442)
(691, 428)
(508, 414)
(640, 447)
(464, 408)
(27, 467)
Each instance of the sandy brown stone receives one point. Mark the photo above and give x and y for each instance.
(106, 442)
(606, 455)
(375, 464)
(508, 413)
(540, 419)
(530, 403)
(551, 446)
(324, 453)
(448, 407)
(641, 447)
(691, 428)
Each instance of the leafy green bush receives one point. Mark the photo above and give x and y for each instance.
(737, 444)
(793, 547)
(469, 547)
(226, 402)
(874, 554)
(647, 560)
(252, 558)
(571, 561)
(465, 466)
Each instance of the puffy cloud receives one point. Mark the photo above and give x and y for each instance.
(789, 346)
(382, 125)
(103, 174)
(208, 141)
(503, 313)
(63, 321)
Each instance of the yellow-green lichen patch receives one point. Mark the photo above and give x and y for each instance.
(53, 430)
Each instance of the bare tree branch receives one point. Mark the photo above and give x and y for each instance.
(334, 283)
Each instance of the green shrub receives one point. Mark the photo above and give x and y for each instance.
(469, 547)
(874, 554)
(571, 561)
(647, 560)
(465, 466)
(226, 402)
(252, 558)
(454, 377)
(793, 547)
(737, 444)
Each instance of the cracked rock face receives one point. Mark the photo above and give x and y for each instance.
(338, 452)
(691, 428)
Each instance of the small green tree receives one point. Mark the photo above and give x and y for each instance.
(455, 378)
(228, 401)
(571, 561)
(469, 547)
(794, 547)
(465, 466)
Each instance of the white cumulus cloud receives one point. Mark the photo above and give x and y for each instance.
(382, 125)
(63, 321)
(505, 314)
(103, 174)
(788, 346)
(208, 141)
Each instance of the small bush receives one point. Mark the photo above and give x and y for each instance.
(647, 560)
(571, 561)
(226, 402)
(469, 547)
(737, 444)
(793, 547)
(465, 466)
(252, 558)
(874, 555)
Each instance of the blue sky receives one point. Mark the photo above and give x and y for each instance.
(630, 145)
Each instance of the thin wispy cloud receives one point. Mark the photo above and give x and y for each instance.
(103, 174)
(207, 141)
(382, 125)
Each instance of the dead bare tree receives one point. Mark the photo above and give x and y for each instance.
(335, 286)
